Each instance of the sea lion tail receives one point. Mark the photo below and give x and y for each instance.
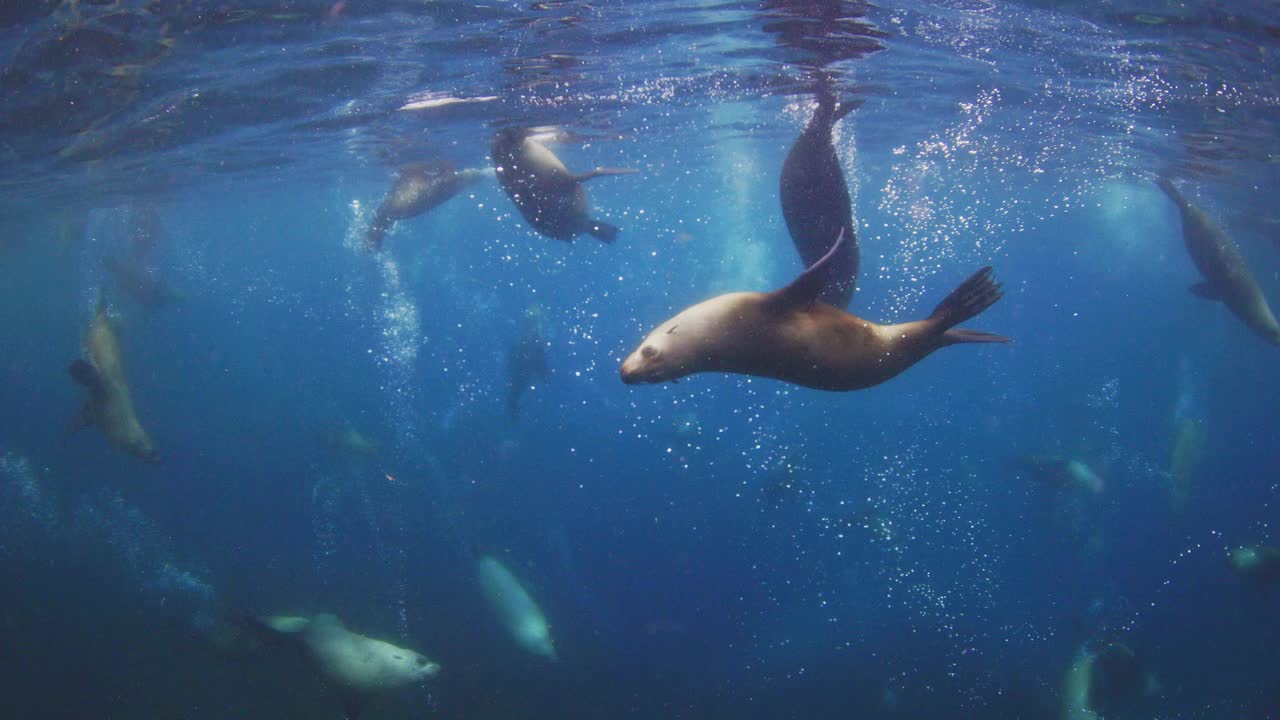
(604, 232)
(974, 295)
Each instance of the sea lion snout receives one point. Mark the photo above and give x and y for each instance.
(630, 376)
(426, 668)
(642, 366)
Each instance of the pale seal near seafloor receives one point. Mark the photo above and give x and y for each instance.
(548, 195)
(790, 336)
(1226, 276)
(357, 667)
(515, 608)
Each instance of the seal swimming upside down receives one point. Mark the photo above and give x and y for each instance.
(788, 335)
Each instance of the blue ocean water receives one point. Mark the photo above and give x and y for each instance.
(721, 547)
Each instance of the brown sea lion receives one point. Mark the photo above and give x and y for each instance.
(790, 336)
(1226, 276)
(548, 195)
(815, 199)
(109, 405)
(420, 187)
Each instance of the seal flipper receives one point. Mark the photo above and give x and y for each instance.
(1206, 291)
(603, 172)
(803, 292)
(87, 375)
(604, 232)
(974, 295)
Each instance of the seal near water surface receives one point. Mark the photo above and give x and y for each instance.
(1226, 275)
(547, 194)
(815, 199)
(788, 335)
(110, 403)
(419, 188)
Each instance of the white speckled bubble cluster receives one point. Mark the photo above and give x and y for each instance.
(400, 336)
(103, 521)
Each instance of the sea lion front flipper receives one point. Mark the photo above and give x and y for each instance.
(87, 375)
(603, 172)
(803, 292)
(1206, 291)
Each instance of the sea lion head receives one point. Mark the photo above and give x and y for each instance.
(416, 667)
(661, 357)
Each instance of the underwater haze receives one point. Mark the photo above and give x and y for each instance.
(300, 387)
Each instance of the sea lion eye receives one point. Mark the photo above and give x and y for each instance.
(673, 328)
(648, 352)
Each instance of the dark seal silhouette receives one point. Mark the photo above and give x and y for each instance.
(548, 195)
(815, 200)
(1226, 276)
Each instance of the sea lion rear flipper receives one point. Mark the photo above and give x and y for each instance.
(956, 336)
(602, 172)
(604, 232)
(1206, 291)
(805, 289)
(974, 295)
(87, 375)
